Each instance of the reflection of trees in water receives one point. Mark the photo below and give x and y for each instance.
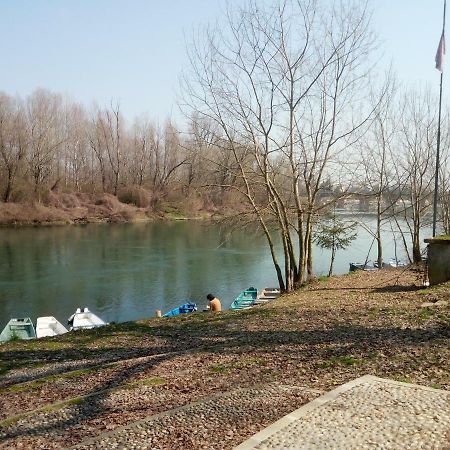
(124, 272)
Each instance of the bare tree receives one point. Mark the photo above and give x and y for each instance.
(444, 197)
(285, 88)
(110, 124)
(45, 138)
(13, 141)
(166, 160)
(105, 140)
(76, 154)
(414, 168)
(377, 148)
(141, 149)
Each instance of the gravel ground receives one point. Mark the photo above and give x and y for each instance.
(371, 415)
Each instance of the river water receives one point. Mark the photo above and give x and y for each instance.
(126, 272)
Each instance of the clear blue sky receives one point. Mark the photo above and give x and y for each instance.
(133, 51)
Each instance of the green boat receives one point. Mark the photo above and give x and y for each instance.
(245, 299)
(18, 329)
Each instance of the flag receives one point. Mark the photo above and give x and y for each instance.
(440, 53)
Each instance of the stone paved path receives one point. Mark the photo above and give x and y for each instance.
(367, 413)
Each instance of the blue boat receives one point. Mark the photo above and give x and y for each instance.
(183, 309)
(245, 299)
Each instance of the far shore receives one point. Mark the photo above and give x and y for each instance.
(103, 209)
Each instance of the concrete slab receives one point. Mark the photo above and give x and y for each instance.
(366, 413)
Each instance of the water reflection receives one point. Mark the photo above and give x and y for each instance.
(125, 272)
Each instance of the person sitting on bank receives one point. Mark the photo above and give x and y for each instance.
(213, 303)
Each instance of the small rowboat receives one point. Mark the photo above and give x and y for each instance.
(83, 319)
(49, 326)
(185, 308)
(362, 266)
(393, 262)
(246, 299)
(18, 329)
(266, 295)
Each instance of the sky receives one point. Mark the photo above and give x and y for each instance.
(132, 51)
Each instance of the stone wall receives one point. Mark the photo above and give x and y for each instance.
(438, 259)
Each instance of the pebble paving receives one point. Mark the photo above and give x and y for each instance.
(373, 414)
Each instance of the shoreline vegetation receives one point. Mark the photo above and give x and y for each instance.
(71, 209)
(82, 384)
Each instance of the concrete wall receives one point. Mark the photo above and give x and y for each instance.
(438, 260)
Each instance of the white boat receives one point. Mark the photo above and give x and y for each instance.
(83, 319)
(49, 326)
(266, 295)
(18, 329)
(393, 262)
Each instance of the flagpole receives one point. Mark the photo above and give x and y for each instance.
(438, 146)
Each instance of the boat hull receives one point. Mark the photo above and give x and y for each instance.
(361, 266)
(246, 299)
(266, 295)
(185, 308)
(49, 326)
(21, 328)
(83, 319)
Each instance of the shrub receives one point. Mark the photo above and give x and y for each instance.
(134, 195)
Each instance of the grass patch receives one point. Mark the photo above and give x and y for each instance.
(10, 421)
(405, 380)
(14, 388)
(249, 362)
(426, 314)
(423, 291)
(436, 386)
(8, 366)
(36, 384)
(443, 237)
(220, 369)
(5, 368)
(153, 381)
(75, 401)
(77, 373)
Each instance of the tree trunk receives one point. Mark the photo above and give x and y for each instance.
(333, 254)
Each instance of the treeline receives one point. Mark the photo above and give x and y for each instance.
(49, 143)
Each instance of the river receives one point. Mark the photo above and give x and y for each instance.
(126, 272)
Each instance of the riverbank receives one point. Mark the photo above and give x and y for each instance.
(58, 392)
(67, 209)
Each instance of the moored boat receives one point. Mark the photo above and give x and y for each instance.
(83, 319)
(266, 295)
(246, 299)
(393, 262)
(49, 326)
(21, 328)
(185, 308)
(362, 266)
